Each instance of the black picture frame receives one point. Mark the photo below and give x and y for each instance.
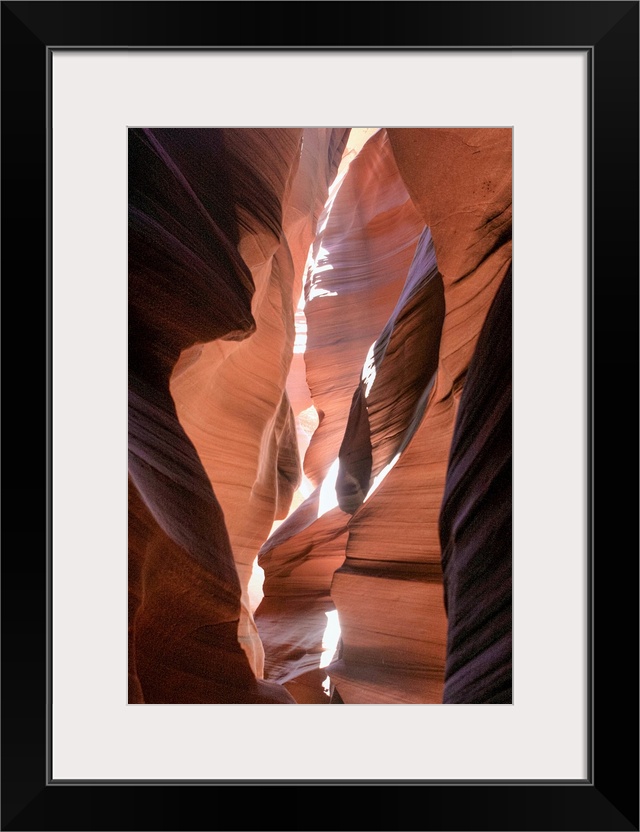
(608, 799)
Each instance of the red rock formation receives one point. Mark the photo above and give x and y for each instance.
(361, 256)
(206, 240)
(460, 180)
(475, 524)
(220, 225)
(397, 378)
(365, 246)
(394, 649)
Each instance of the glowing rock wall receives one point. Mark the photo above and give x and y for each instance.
(405, 534)
(218, 220)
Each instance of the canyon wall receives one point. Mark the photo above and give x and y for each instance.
(401, 528)
(220, 224)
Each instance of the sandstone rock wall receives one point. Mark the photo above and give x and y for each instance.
(220, 219)
(366, 243)
(405, 535)
(395, 440)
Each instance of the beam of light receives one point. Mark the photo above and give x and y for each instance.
(300, 342)
(330, 640)
(328, 498)
(317, 292)
(379, 477)
(320, 266)
(369, 370)
(255, 586)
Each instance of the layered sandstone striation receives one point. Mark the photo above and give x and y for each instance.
(460, 182)
(365, 245)
(360, 259)
(476, 522)
(219, 222)
(396, 442)
(394, 648)
(397, 391)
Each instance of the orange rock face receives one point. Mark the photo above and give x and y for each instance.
(402, 253)
(460, 181)
(255, 196)
(389, 590)
(360, 259)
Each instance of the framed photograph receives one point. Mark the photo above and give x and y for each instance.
(100, 100)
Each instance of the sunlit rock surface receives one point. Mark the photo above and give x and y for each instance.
(389, 591)
(364, 248)
(365, 245)
(460, 181)
(232, 400)
(396, 381)
(398, 526)
(217, 220)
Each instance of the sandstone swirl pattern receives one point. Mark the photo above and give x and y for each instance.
(360, 259)
(476, 524)
(406, 529)
(461, 180)
(210, 263)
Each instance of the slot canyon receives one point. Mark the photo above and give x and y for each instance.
(320, 419)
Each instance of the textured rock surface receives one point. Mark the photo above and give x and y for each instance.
(396, 381)
(460, 180)
(394, 648)
(476, 527)
(366, 243)
(408, 255)
(210, 259)
(361, 257)
(231, 399)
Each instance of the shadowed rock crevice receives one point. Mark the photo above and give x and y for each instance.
(475, 525)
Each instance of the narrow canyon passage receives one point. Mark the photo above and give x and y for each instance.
(320, 415)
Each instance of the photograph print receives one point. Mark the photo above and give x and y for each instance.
(320, 420)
